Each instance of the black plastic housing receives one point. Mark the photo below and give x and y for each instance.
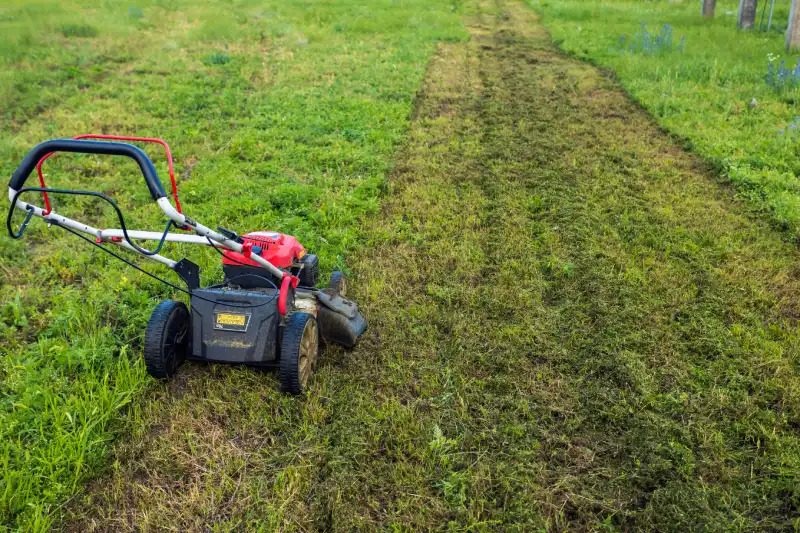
(336, 328)
(233, 334)
(248, 277)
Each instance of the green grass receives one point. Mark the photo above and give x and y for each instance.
(281, 115)
(700, 94)
(573, 327)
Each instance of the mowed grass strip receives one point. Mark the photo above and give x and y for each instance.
(572, 327)
(281, 115)
(712, 90)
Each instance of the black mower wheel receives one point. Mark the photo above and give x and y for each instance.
(309, 274)
(337, 284)
(166, 339)
(299, 349)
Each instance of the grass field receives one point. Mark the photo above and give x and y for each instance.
(543, 354)
(703, 91)
(282, 115)
(574, 324)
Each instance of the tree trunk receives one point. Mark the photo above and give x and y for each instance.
(708, 8)
(747, 14)
(793, 31)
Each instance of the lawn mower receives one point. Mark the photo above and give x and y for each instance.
(267, 312)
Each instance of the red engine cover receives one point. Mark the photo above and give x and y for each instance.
(279, 249)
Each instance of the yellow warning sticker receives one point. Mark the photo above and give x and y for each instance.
(229, 319)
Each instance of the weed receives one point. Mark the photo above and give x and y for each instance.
(791, 131)
(218, 58)
(78, 30)
(14, 314)
(135, 13)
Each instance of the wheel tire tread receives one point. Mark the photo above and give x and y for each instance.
(309, 275)
(289, 370)
(154, 338)
(337, 284)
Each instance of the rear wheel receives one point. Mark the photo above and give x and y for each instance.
(166, 339)
(299, 349)
(309, 274)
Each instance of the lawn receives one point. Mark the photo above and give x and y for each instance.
(701, 91)
(281, 115)
(574, 324)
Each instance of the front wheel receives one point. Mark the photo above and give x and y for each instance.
(166, 339)
(337, 284)
(299, 349)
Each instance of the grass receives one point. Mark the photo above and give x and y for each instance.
(573, 327)
(282, 115)
(703, 93)
(573, 324)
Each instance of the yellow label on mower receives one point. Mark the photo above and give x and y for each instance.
(231, 322)
(229, 319)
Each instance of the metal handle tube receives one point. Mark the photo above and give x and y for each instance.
(55, 218)
(107, 234)
(202, 230)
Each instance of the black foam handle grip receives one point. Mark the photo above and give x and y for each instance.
(89, 147)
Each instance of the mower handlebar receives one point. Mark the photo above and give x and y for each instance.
(89, 147)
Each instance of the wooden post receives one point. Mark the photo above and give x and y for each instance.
(793, 31)
(708, 8)
(747, 14)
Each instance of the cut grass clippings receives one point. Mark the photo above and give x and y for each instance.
(572, 327)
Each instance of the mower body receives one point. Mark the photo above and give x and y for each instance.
(245, 332)
(240, 321)
(280, 250)
(283, 251)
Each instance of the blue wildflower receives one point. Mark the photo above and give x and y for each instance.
(779, 76)
(651, 43)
